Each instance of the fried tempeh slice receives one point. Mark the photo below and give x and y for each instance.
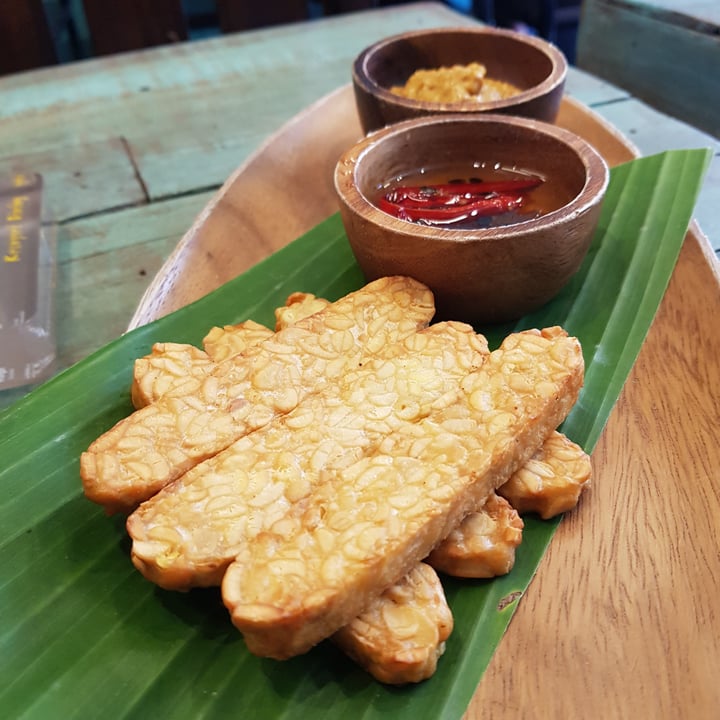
(401, 635)
(158, 443)
(552, 481)
(299, 305)
(189, 532)
(225, 342)
(483, 545)
(168, 367)
(368, 524)
(166, 370)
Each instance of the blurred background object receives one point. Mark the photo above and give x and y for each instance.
(554, 20)
(37, 33)
(664, 52)
(25, 39)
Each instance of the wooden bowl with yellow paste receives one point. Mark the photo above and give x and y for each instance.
(458, 70)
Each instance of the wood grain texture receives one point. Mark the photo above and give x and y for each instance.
(622, 617)
(105, 263)
(82, 178)
(652, 132)
(241, 225)
(253, 81)
(226, 239)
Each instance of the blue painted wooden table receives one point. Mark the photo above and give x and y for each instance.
(132, 146)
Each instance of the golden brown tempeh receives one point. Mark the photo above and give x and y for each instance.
(225, 342)
(168, 367)
(483, 545)
(368, 524)
(401, 635)
(189, 532)
(299, 305)
(551, 482)
(158, 443)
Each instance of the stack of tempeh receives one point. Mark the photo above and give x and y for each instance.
(309, 471)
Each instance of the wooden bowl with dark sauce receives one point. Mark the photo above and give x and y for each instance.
(486, 266)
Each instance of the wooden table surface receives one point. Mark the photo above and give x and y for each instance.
(622, 619)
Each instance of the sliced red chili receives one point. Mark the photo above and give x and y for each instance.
(480, 207)
(456, 193)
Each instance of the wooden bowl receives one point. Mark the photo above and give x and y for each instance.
(483, 275)
(533, 65)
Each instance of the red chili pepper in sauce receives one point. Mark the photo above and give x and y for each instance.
(480, 207)
(457, 192)
(456, 201)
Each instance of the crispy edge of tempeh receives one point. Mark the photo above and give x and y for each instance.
(480, 547)
(167, 367)
(483, 544)
(552, 481)
(401, 635)
(155, 445)
(222, 343)
(291, 589)
(298, 305)
(189, 532)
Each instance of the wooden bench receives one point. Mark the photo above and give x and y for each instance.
(665, 52)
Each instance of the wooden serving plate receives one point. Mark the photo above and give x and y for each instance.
(285, 189)
(634, 575)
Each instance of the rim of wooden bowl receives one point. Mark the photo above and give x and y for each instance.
(597, 176)
(557, 76)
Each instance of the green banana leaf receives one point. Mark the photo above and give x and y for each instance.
(84, 635)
